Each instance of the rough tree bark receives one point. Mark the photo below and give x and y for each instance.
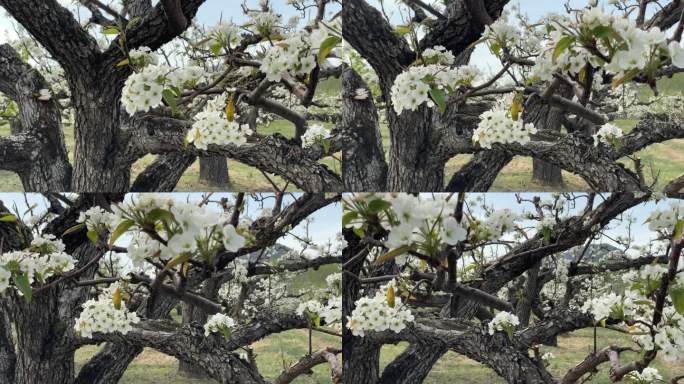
(363, 168)
(38, 120)
(214, 171)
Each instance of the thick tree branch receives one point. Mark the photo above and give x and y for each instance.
(56, 29)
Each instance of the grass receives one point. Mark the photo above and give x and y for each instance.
(273, 354)
(572, 349)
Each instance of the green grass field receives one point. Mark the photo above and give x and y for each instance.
(571, 350)
(274, 353)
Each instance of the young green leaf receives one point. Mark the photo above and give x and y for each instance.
(22, 283)
(123, 63)
(563, 44)
(74, 229)
(439, 97)
(111, 30)
(8, 217)
(348, 217)
(327, 46)
(392, 254)
(378, 205)
(92, 235)
(170, 99)
(677, 296)
(120, 230)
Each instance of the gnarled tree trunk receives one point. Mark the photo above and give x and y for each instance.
(214, 171)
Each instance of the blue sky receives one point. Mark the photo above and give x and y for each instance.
(325, 227)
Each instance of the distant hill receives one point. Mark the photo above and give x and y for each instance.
(595, 253)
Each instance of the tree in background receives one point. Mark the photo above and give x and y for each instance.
(449, 272)
(97, 269)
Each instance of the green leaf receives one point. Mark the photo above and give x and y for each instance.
(602, 31)
(225, 331)
(327, 46)
(517, 105)
(378, 205)
(92, 235)
(677, 296)
(170, 99)
(120, 230)
(495, 48)
(348, 217)
(216, 49)
(439, 97)
(392, 254)
(158, 214)
(679, 230)
(74, 229)
(111, 30)
(123, 63)
(563, 44)
(317, 321)
(8, 217)
(509, 332)
(547, 235)
(116, 299)
(629, 75)
(403, 29)
(230, 108)
(22, 282)
(180, 259)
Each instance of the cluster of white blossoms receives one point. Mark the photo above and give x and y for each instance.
(102, 316)
(225, 34)
(96, 219)
(608, 134)
(495, 225)
(664, 219)
(504, 322)
(296, 55)
(143, 90)
(418, 222)
(212, 126)
(331, 312)
(264, 22)
(502, 33)
(438, 55)
(609, 306)
(648, 376)
(606, 41)
(547, 222)
(334, 281)
(189, 229)
(669, 337)
(43, 259)
(219, 323)
(376, 314)
(412, 87)
(315, 134)
(497, 126)
(142, 57)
